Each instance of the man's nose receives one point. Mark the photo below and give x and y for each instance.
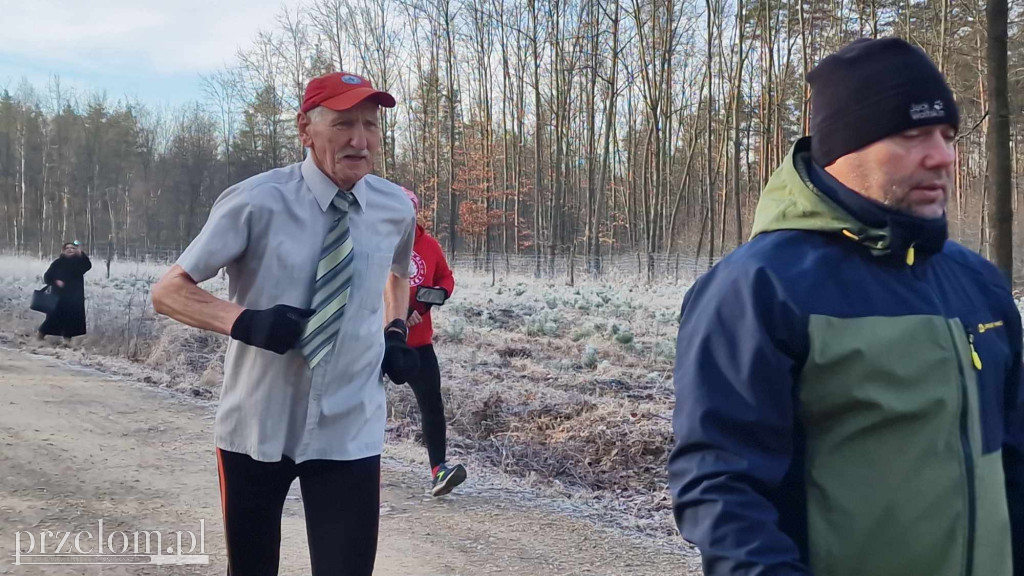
(358, 137)
(940, 152)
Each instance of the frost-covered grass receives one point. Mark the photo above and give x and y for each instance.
(633, 324)
(567, 385)
(120, 320)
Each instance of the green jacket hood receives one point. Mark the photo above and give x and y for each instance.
(790, 202)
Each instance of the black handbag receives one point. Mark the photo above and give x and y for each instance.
(44, 300)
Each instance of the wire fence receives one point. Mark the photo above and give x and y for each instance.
(621, 267)
(636, 267)
(632, 266)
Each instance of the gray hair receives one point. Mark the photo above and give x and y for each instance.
(316, 114)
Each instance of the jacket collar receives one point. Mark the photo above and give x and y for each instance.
(802, 196)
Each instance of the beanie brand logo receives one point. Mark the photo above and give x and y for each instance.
(924, 110)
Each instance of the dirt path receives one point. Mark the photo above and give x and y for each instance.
(76, 446)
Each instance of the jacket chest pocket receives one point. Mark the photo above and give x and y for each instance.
(990, 357)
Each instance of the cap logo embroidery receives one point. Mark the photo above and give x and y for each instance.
(925, 110)
(350, 79)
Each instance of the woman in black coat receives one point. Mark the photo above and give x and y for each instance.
(67, 276)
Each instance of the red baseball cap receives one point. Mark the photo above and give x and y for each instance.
(341, 91)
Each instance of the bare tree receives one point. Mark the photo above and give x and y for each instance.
(553, 127)
(998, 140)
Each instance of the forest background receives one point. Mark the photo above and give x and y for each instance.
(562, 135)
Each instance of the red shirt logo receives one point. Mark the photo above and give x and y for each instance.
(417, 270)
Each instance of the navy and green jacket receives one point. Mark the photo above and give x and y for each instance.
(848, 397)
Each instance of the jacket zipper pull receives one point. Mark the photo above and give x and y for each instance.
(910, 255)
(974, 353)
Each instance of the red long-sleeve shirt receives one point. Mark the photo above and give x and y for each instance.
(430, 269)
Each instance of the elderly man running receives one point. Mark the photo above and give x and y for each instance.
(312, 252)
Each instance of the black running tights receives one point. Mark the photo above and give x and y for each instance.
(341, 500)
(426, 385)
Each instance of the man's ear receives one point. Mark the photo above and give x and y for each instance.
(302, 121)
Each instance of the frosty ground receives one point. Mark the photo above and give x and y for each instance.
(80, 446)
(565, 390)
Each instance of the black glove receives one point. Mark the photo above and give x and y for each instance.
(276, 329)
(401, 363)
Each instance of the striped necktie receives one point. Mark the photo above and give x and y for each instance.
(333, 283)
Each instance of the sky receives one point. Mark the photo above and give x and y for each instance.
(151, 50)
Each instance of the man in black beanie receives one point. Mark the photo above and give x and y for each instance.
(869, 103)
(848, 382)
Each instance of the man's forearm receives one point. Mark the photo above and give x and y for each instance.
(396, 298)
(176, 295)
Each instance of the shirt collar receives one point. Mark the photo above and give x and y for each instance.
(323, 188)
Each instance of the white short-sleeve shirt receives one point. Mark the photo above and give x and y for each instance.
(268, 232)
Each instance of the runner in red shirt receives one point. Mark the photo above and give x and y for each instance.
(430, 270)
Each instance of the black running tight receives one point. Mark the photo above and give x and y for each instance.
(342, 504)
(427, 388)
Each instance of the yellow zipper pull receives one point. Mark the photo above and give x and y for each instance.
(974, 353)
(910, 255)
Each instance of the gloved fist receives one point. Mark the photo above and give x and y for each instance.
(401, 363)
(277, 329)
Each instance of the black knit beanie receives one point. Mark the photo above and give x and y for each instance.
(872, 89)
